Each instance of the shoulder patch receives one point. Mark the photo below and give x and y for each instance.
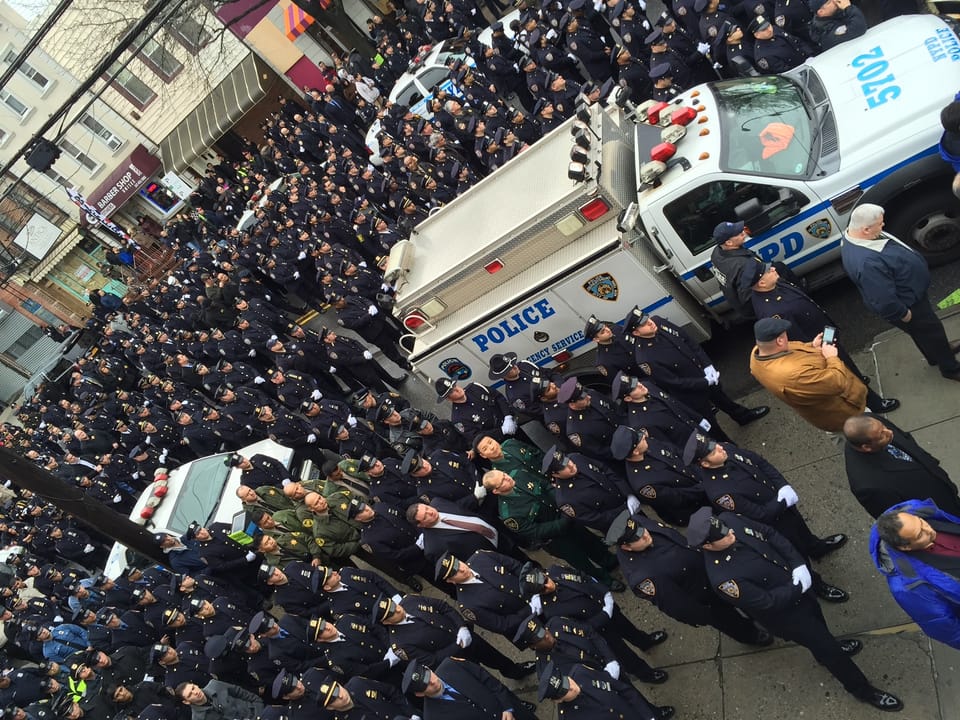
(366, 546)
(512, 524)
(726, 502)
(519, 404)
(468, 613)
(647, 370)
(602, 369)
(399, 652)
(729, 588)
(647, 587)
(575, 438)
(567, 509)
(762, 62)
(554, 428)
(649, 492)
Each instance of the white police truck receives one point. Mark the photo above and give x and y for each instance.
(616, 208)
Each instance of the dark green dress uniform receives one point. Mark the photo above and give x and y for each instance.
(294, 545)
(273, 498)
(336, 537)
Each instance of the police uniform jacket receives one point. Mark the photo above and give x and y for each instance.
(358, 592)
(392, 487)
(590, 49)
(593, 427)
(602, 696)
(451, 478)
(780, 53)
(791, 303)
(493, 600)
(388, 536)
(297, 595)
(272, 498)
(676, 363)
(733, 270)
(376, 700)
(431, 633)
(616, 355)
(755, 573)
(226, 558)
(133, 630)
(577, 643)
(594, 497)
(577, 596)
(127, 667)
(359, 650)
(555, 419)
(662, 481)
(480, 695)
(482, 409)
(746, 484)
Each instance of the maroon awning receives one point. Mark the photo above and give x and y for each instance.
(123, 183)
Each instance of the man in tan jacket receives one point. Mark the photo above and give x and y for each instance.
(810, 377)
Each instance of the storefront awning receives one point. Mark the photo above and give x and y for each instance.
(219, 111)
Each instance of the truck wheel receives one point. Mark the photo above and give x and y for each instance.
(931, 226)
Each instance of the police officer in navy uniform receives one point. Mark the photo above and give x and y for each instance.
(681, 367)
(475, 408)
(448, 476)
(387, 536)
(566, 642)
(774, 50)
(661, 568)
(583, 693)
(587, 490)
(428, 432)
(590, 48)
(757, 570)
(352, 645)
(591, 420)
(614, 349)
(662, 54)
(663, 88)
(262, 470)
(516, 376)
(657, 474)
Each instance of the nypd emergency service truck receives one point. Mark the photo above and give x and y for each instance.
(616, 208)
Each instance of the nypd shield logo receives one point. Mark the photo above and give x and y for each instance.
(729, 588)
(455, 368)
(726, 502)
(603, 287)
(647, 587)
(820, 228)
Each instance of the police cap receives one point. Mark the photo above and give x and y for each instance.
(444, 386)
(593, 327)
(500, 364)
(634, 319)
(570, 391)
(530, 631)
(553, 461)
(415, 678)
(623, 442)
(446, 566)
(553, 683)
(705, 527)
(623, 529)
(698, 446)
(622, 385)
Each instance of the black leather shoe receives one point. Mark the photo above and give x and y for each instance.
(831, 593)
(829, 544)
(762, 638)
(882, 700)
(529, 707)
(399, 380)
(666, 712)
(888, 405)
(656, 638)
(752, 414)
(850, 647)
(656, 677)
(413, 584)
(617, 586)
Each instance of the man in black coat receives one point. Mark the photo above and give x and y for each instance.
(886, 466)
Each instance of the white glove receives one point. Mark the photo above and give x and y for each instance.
(250, 556)
(316, 395)
(311, 438)
(259, 380)
(612, 669)
(536, 604)
(302, 255)
(464, 638)
(362, 264)
(397, 598)
(788, 495)
(801, 577)
(717, 66)
(163, 455)
(88, 548)
(705, 424)
(479, 492)
(703, 48)
(711, 375)
(391, 657)
(367, 355)
(608, 604)
(332, 370)
(117, 498)
(419, 541)
(642, 4)
(351, 421)
(509, 426)
(252, 353)
(633, 504)
(386, 287)
(296, 274)
(148, 440)
(58, 618)
(372, 311)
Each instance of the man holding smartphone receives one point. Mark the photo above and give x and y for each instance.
(810, 377)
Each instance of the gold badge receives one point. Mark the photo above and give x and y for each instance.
(512, 524)
(308, 523)
(649, 492)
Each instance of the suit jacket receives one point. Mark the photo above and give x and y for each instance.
(483, 697)
(879, 481)
(462, 543)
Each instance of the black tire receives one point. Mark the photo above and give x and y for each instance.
(930, 224)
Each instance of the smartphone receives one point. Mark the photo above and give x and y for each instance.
(829, 335)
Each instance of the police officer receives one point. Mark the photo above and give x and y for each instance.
(656, 472)
(582, 693)
(445, 475)
(774, 50)
(590, 48)
(662, 569)
(681, 367)
(614, 349)
(566, 642)
(428, 432)
(757, 570)
(352, 645)
(516, 376)
(591, 419)
(387, 536)
(475, 408)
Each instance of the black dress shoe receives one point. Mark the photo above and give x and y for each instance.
(656, 677)
(828, 545)
(850, 647)
(888, 405)
(656, 638)
(882, 700)
(399, 380)
(666, 712)
(413, 584)
(752, 414)
(831, 593)
(617, 586)
(529, 707)
(762, 638)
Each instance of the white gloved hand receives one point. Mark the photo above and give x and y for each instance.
(509, 426)
(311, 438)
(536, 604)
(367, 355)
(419, 541)
(633, 504)
(351, 421)
(316, 395)
(397, 598)
(252, 353)
(250, 556)
(391, 657)
(711, 375)
(372, 311)
(386, 287)
(464, 638)
(705, 425)
(117, 498)
(301, 255)
(259, 380)
(479, 492)
(608, 604)
(332, 370)
(612, 669)
(88, 548)
(801, 577)
(788, 495)
(58, 618)
(362, 264)
(703, 48)
(296, 274)
(642, 4)
(717, 66)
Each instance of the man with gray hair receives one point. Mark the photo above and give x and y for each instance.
(893, 281)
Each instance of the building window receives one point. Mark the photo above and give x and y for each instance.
(12, 102)
(57, 177)
(79, 155)
(160, 60)
(25, 342)
(4, 136)
(100, 131)
(135, 90)
(28, 71)
(187, 31)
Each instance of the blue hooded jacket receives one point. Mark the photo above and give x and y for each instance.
(928, 595)
(948, 149)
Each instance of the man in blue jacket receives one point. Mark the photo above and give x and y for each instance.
(893, 280)
(916, 546)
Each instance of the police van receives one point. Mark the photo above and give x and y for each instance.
(616, 208)
(203, 490)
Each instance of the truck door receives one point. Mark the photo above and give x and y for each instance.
(786, 222)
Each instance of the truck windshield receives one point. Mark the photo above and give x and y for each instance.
(202, 488)
(766, 127)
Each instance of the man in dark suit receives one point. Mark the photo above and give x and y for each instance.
(461, 690)
(886, 466)
(446, 526)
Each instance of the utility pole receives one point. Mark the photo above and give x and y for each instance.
(23, 473)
